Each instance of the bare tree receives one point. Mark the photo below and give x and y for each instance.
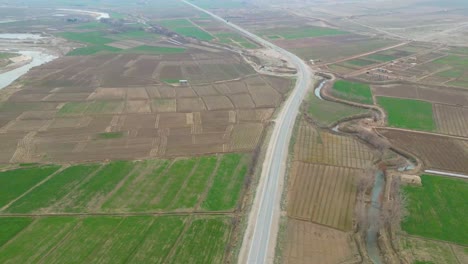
(364, 187)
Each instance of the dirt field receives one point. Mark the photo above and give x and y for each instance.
(309, 243)
(76, 99)
(451, 120)
(436, 152)
(443, 95)
(323, 194)
(315, 146)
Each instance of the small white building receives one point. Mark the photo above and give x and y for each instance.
(183, 82)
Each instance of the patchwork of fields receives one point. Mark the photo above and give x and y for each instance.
(158, 211)
(436, 152)
(79, 110)
(322, 190)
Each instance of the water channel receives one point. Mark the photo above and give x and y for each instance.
(36, 58)
(373, 217)
(318, 90)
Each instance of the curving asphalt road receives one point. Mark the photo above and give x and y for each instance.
(260, 237)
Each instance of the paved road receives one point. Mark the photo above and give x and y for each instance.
(260, 237)
(450, 174)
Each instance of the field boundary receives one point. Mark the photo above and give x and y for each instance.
(32, 188)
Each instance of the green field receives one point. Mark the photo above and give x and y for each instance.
(110, 135)
(122, 189)
(13, 183)
(407, 113)
(438, 209)
(10, 227)
(104, 107)
(235, 39)
(204, 235)
(73, 108)
(227, 184)
(95, 49)
(53, 190)
(351, 91)
(134, 34)
(141, 239)
(5, 55)
(94, 37)
(451, 73)
(304, 32)
(186, 28)
(220, 4)
(380, 57)
(453, 60)
(155, 50)
(326, 113)
(92, 25)
(197, 183)
(360, 62)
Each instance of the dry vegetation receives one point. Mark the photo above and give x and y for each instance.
(311, 243)
(443, 153)
(322, 193)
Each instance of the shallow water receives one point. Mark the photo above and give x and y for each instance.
(319, 89)
(373, 217)
(38, 58)
(20, 36)
(99, 14)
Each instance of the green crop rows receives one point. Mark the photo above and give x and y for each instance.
(142, 239)
(357, 92)
(438, 209)
(407, 113)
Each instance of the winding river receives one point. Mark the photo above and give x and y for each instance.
(37, 58)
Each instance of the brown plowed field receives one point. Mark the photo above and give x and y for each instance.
(315, 146)
(246, 136)
(443, 95)
(451, 120)
(308, 243)
(323, 194)
(103, 107)
(218, 103)
(436, 152)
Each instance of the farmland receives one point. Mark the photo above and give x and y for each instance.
(442, 153)
(441, 95)
(124, 189)
(110, 239)
(81, 111)
(185, 28)
(315, 146)
(16, 182)
(357, 92)
(406, 113)
(327, 113)
(323, 194)
(329, 246)
(298, 33)
(207, 183)
(431, 211)
(451, 120)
